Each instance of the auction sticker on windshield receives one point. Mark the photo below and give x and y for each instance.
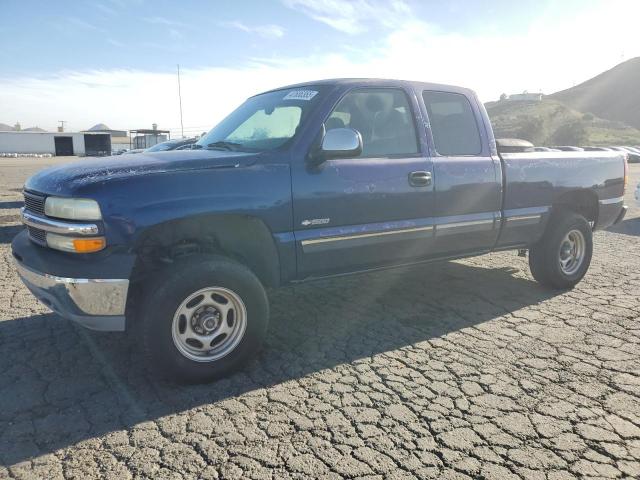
(300, 95)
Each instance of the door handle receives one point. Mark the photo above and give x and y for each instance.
(420, 178)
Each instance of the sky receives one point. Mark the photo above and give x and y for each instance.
(115, 61)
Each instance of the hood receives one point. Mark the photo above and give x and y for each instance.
(65, 179)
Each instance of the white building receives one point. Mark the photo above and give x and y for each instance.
(525, 97)
(56, 143)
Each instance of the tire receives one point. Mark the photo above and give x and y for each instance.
(563, 255)
(228, 314)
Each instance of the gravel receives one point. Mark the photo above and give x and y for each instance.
(458, 370)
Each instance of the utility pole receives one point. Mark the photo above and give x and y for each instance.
(180, 100)
(61, 127)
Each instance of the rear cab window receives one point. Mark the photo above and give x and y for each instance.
(453, 124)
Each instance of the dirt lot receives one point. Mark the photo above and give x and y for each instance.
(459, 370)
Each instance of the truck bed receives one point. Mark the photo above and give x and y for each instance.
(535, 181)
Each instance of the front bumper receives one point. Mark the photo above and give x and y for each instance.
(621, 215)
(98, 304)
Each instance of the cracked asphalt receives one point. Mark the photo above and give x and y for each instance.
(458, 370)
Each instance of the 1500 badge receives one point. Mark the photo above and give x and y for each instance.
(315, 221)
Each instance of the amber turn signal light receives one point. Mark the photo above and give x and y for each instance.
(74, 244)
(88, 245)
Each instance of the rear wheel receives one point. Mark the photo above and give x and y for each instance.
(563, 255)
(205, 318)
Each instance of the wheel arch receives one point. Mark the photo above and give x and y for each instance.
(582, 201)
(244, 238)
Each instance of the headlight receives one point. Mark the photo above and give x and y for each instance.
(72, 208)
(77, 245)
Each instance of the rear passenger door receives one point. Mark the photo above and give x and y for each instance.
(468, 183)
(374, 210)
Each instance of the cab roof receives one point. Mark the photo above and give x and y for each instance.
(379, 82)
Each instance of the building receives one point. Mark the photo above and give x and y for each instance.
(55, 143)
(145, 138)
(525, 97)
(119, 138)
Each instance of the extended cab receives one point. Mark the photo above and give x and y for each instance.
(302, 182)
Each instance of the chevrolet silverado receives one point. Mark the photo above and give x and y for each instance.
(299, 183)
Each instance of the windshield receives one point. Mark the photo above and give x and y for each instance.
(161, 147)
(264, 122)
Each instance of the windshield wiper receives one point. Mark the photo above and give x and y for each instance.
(224, 145)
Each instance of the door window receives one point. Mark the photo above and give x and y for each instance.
(382, 116)
(453, 124)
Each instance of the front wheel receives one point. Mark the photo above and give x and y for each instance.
(563, 255)
(205, 318)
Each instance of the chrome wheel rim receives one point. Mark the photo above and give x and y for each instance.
(209, 324)
(572, 251)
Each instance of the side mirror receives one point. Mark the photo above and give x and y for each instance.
(341, 143)
(338, 143)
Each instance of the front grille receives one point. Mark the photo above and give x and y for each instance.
(37, 235)
(34, 203)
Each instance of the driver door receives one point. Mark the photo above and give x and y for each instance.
(372, 210)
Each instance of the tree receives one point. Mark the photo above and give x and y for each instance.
(503, 97)
(532, 129)
(573, 133)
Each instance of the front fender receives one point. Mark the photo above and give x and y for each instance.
(131, 206)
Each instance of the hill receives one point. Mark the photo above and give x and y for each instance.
(613, 95)
(551, 122)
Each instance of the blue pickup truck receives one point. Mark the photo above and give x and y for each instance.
(302, 182)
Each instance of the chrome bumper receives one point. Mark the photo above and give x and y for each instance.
(57, 226)
(98, 304)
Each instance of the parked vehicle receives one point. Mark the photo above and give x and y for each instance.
(513, 145)
(299, 183)
(632, 155)
(567, 148)
(637, 194)
(133, 151)
(596, 149)
(544, 149)
(180, 144)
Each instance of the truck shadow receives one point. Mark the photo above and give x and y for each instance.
(60, 384)
(10, 224)
(7, 232)
(11, 204)
(630, 226)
